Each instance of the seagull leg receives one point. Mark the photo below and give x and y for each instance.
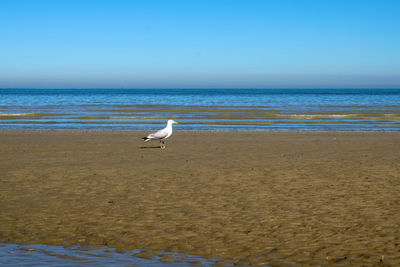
(162, 145)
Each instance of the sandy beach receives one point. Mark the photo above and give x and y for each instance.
(257, 198)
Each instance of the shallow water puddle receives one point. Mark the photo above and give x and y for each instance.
(44, 255)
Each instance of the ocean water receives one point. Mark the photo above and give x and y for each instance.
(202, 109)
(44, 255)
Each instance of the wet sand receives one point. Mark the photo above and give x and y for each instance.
(276, 198)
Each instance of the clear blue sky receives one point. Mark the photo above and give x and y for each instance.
(199, 43)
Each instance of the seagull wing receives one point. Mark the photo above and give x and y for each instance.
(159, 134)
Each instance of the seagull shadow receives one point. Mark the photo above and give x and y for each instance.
(146, 147)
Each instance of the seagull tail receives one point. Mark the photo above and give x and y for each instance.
(146, 139)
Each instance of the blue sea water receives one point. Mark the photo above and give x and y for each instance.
(45, 255)
(202, 109)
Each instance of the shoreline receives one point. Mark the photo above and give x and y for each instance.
(254, 197)
(195, 131)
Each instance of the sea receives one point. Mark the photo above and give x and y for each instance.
(201, 109)
(32, 255)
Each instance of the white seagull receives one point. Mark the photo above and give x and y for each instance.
(161, 134)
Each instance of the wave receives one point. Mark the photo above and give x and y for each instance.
(317, 116)
(31, 114)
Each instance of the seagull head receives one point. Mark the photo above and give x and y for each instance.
(170, 122)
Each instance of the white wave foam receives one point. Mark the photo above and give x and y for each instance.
(33, 114)
(316, 116)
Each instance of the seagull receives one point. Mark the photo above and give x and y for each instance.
(161, 134)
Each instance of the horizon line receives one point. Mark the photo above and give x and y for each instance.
(196, 88)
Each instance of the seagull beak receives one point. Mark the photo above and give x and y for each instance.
(175, 122)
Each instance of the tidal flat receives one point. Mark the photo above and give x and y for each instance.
(256, 198)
